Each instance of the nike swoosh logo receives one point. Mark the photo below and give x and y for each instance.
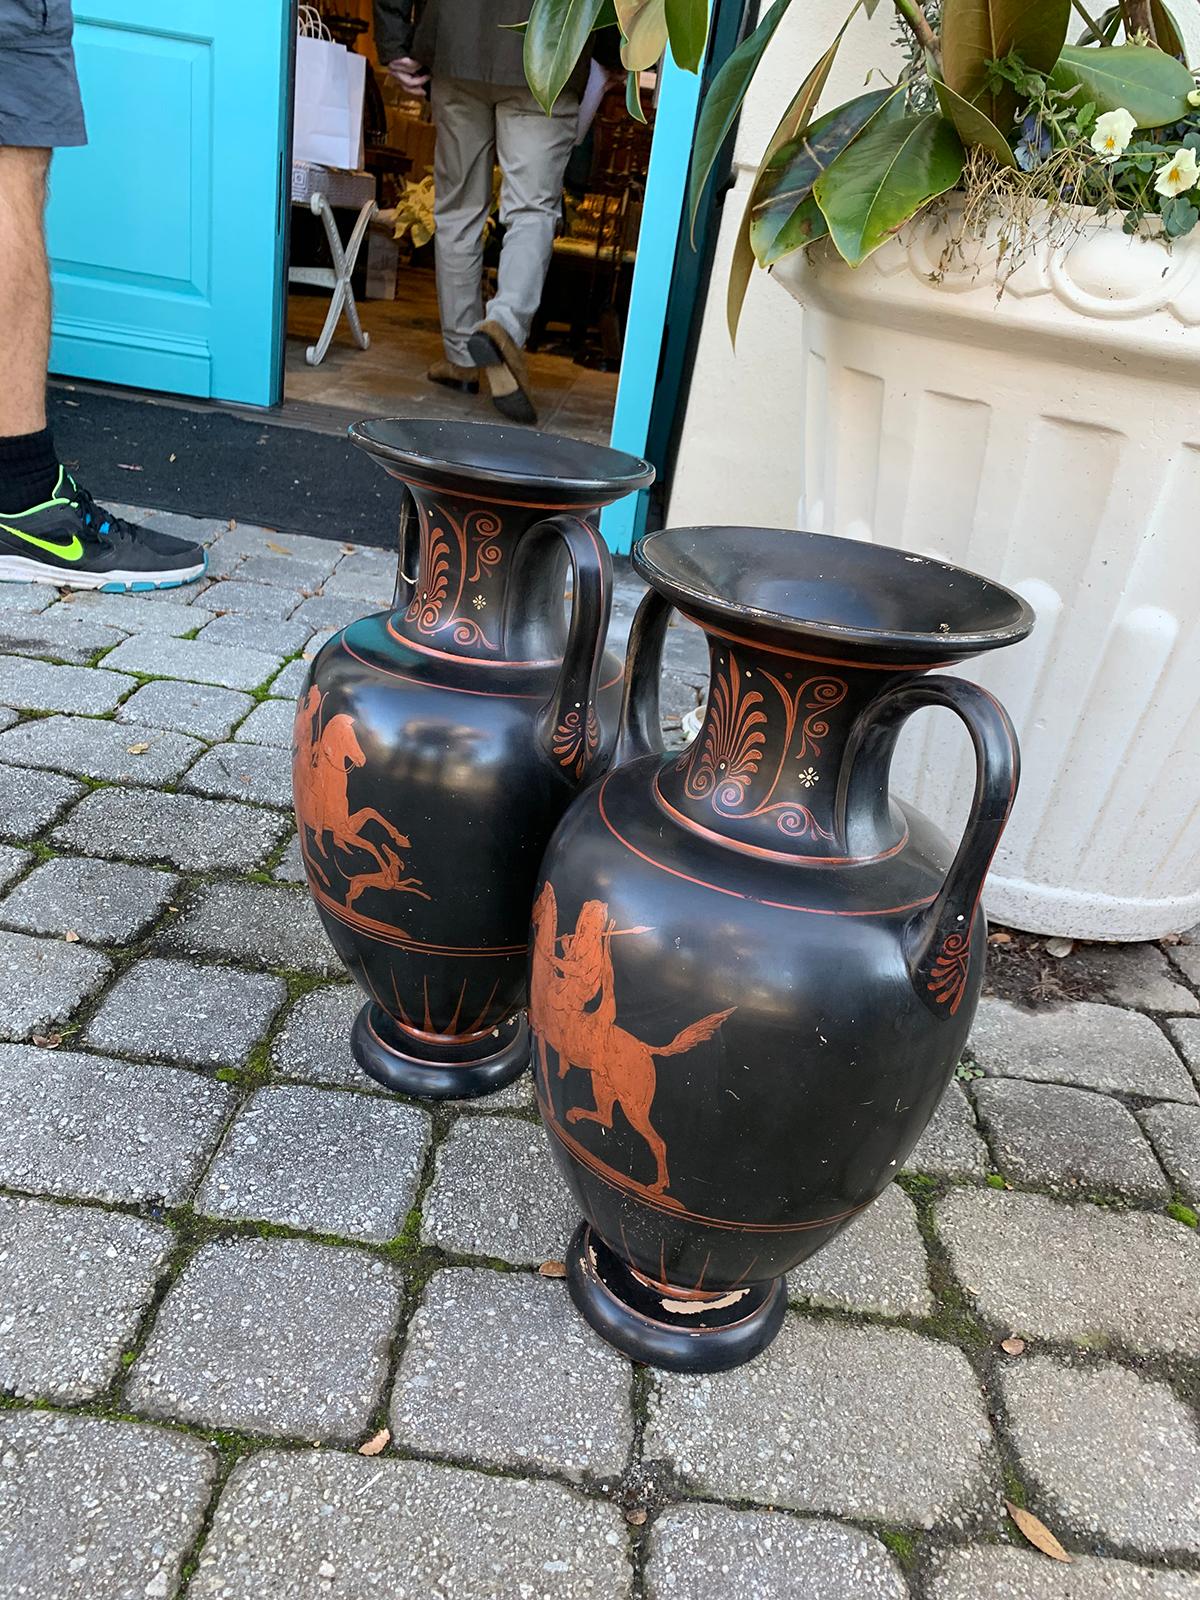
(65, 552)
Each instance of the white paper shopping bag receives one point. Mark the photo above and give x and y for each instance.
(330, 85)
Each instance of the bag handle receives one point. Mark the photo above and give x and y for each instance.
(939, 937)
(569, 726)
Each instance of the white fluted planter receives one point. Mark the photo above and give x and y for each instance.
(1051, 439)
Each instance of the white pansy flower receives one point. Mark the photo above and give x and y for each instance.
(1193, 99)
(1180, 173)
(1112, 133)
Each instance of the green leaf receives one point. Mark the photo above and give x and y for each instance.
(1152, 86)
(784, 185)
(973, 126)
(741, 270)
(645, 36)
(884, 178)
(1166, 30)
(555, 39)
(633, 97)
(687, 24)
(975, 32)
(1179, 216)
(724, 100)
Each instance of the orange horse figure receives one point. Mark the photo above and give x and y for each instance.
(322, 759)
(621, 1066)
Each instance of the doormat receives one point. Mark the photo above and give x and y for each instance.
(208, 463)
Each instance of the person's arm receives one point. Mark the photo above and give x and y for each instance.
(395, 21)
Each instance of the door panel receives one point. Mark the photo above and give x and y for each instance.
(166, 231)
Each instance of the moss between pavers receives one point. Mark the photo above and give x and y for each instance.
(1183, 1213)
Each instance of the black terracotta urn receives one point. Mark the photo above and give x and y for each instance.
(752, 972)
(438, 743)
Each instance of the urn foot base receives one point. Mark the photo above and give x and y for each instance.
(432, 1070)
(701, 1336)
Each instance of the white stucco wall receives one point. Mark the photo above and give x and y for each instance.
(739, 455)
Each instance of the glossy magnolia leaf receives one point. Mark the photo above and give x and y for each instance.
(1151, 85)
(804, 227)
(785, 184)
(741, 270)
(555, 39)
(633, 97)
(1166, 30)
(975, 32)
(645, 30)
(884, 178)
(687, 25)
(1036, 1531)
(723, 102)
(973, 126)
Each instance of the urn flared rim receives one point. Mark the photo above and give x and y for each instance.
(468, 455)
(872, 599)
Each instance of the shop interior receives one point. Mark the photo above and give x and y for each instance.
(575, 347)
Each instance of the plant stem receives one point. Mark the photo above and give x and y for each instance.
(1138, 18)
(912, 13)
(1096, 32)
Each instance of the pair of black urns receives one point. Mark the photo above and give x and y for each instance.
(742, 974)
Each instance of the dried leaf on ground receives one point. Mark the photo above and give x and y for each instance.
(47, 1041)
(1059, 947)
(1001, 936)
(232, 522)
(552, 1269)
(1036, 1531)
(637, 1516)
(137, 749)
(71, 936)
(171, 457)
(279, 549)
(1013, 1346)
(375, 1443)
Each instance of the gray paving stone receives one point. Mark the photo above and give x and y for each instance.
(331, 611)
(256, 633)
(33, 686)
(254, 924)
(1067, 1140)
(184, 830)
(313, 1159)
(311, 1523)
(876, 1423)
(42, 981)
(701, 1552)
(12, 863)
(374, 586)
(290, 683)
(1037, 1267)
(1187, 959)
(199, 709)
(496, 1193)
(26, 596)
(1137, 975)
(1185, 1031)
(1107, 1453)
(7, 716)
(270, 723)
(243, 772)
(477, 1334)
(128, 612)
(876, 1264)
(73, 1285)
(252, 599)
(291, 864)
(30, 801)
(1175, 1134)
(950, 1147)
(1090, 1045)
(177, 1011)
(80, 1126)
(1001, 1573)
(248, 539)
(95, 1510)
(274, 1336)
(102, 901)
(289, 572)
(157, 657)
(109, 751)
(58, 634)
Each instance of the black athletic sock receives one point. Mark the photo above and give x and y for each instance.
(28, 470)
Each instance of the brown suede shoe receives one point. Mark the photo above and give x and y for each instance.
(505, 370)
(452, 376)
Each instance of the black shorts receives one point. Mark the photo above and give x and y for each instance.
(39, 92)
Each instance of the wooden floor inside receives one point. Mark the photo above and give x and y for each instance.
(389, 378)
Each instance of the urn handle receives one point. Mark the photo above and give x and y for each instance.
(639, 732)
(569, 725)
(408, 551)
(938, 938)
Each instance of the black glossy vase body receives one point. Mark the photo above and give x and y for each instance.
(437, 744)
(752, 972)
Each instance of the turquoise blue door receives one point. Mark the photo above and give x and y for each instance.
(166, 232)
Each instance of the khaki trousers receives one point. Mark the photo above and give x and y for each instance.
(479, 124)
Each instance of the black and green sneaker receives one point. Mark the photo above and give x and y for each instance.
(71, 541)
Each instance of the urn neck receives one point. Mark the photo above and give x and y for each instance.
(766, 769)
(487, 585)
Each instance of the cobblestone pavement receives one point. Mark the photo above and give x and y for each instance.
(227, 1260)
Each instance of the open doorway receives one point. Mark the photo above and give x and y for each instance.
(575, 347)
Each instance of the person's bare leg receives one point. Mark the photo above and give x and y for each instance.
(24, 291)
